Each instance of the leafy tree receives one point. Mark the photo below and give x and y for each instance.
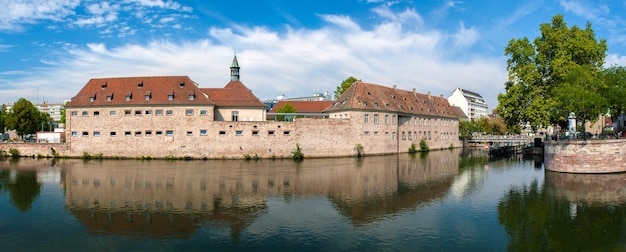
(287, 108)
(62, 120)
(466, 128)
(3, 118)
(45, 120)
(23, 190)
(345, 85)
(538, 69)
(24, 118)
(615, 84)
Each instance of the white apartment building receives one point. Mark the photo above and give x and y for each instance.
(470, 102)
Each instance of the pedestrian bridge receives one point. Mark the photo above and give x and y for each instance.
(501, 139)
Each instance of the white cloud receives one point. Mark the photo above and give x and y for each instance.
(15, 13)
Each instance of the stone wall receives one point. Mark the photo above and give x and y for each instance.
(602, 156)
(34, 149)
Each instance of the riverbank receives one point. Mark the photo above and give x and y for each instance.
(592, 156)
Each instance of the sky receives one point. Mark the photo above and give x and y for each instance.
(50, 49)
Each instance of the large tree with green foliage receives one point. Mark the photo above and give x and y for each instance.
(3, 118)
(345, 85)
(541, 71)
(287, 108)
(615, 90)
(24, 118)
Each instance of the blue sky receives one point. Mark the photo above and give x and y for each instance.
(50, 49)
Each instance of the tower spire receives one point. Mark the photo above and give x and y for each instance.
(234, 69)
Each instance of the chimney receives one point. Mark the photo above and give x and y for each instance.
(414, 93)
(429, 95)
(394, 87)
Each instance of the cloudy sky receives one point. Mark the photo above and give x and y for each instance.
(50, 49)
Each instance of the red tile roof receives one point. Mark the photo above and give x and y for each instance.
(234, 94)
(96, 91)
(304, 106)
(366, 96)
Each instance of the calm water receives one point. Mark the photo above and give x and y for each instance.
(445, 201)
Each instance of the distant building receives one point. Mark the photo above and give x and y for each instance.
(53, 109)
(472, 104)
(317, 96)
(313, 109)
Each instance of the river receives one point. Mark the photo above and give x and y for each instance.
(446, 200)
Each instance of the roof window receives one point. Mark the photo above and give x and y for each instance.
(140, 84)
(182, 84)
(104, 85)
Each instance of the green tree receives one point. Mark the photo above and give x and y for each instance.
(45, 120)
(345, 85)
(615, 84)
(23, 189)
(3, 118)
(62, 120)
(24, 118)
(538, 69)
(287, 108)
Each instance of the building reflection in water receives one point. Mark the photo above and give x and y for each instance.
(589, 189)
(173, 199)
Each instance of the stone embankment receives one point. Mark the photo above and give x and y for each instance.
(596, 156)
(35, 149)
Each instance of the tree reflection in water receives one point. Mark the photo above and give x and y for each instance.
(22, 186)
(540, 221)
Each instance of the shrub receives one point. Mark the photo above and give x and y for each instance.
(297, 153)
(423, 146)
(14, 152)
(86, 155)
(359, 150)
(412, 149)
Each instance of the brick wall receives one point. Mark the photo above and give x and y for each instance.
(606, 156)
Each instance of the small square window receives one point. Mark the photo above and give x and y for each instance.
(239, 133)
(128, 98)
(375, 133)
(91, 99)
(85, 133)
(137, 133)
(159, 133)
(169, 112)
(203, 112)
(367, 133)
(147, 97)
(85, 113)
(170, 97)
(127, 112)
(222, 132)
(109, 98)
(96, 113)
(169, 133)
(148, 132)
(148, 112)
(270, 132)
(127, 133)
(112, 133)
(189, 112)
(203, 132)
(74, 133)
(137, 112)
(112, 113)
(159, 112)
(192, 97)
(255, 132)
(287, 133)
(96, 133)
(189, 133)
(74, 113)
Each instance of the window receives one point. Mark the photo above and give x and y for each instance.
(270, 132)
(189, 112)
(367, 118)
(127, 133)
(112, 113)
(74, 113)
(112, 133)
(85, 113)
(367, 133)
(375, 118)
(169, 132)
(91, 99)
(192, 97)
(137, 133)
(410, 136)
(170, 96)
(203, 112)
(148, 112)
(235, 116)
(203, 132)
(255, 132)
(74, 133)
(159, 112)
(364, 104)
(109, 97)
(393, 120)
(96, 133)
(287, 133)
(85, 133)
(137, 112)
(375, 133)
(96, 113)
(127, 112)
(239, 133)
(403, 135)
(386, 119)
(189, 133)
(159, 133)
(222, 132)
(169, 112)
(128, 97)
(148, 133)
(147, 97)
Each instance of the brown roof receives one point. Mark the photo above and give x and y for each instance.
(459, 112)
(366, 96)
(304, 106)
(96, 91)
(234, 94)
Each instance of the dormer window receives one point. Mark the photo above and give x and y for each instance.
(170, 96)
(182, 84)
(92, 98)
(109, 97)
(364, 104)
(192, 97)
(104, 86)
(129, 96)
(140, 84)
(148, 95)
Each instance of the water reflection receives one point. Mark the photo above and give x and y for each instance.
(22, 186)
(570, 212)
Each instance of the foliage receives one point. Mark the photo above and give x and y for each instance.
(615, 84)
(287, 108)
(297, 153)
(413, 149)
(3, 118)
(14, 152)
(23, 189)
(24, 118)
(539, 70)
(359, 150)
(482, 125)
(345, 85)
(423, 145)
(62, 120)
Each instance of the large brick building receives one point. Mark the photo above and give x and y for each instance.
(172, 116)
